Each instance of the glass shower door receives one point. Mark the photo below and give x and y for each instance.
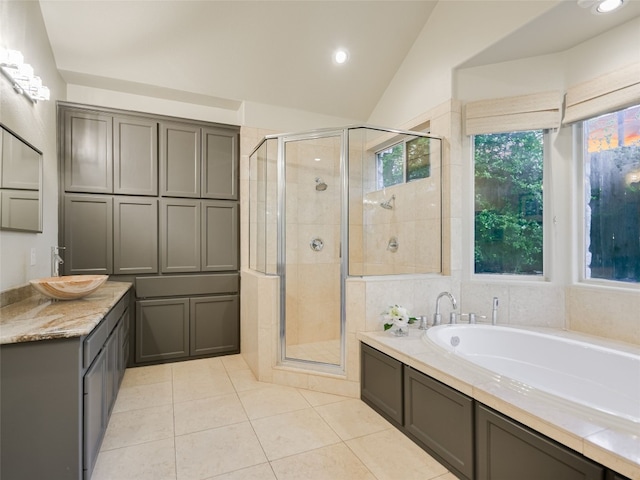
(311, 326)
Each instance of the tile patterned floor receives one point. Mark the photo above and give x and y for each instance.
(211, 419)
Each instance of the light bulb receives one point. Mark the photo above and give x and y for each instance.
(607, 6)
(340, 56)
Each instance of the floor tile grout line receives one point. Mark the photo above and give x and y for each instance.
(237, 392)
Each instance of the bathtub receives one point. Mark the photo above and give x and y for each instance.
(590, 375)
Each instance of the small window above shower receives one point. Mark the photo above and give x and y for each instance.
(403, 162)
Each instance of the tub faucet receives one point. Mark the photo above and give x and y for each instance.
(494, 311)
(56, 261)
(437, 318)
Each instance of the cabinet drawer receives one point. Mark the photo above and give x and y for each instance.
(94, 342)
(186, 285)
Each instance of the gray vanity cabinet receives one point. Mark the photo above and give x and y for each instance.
(381, 384)
(219, 236)
(135, 155)
(440, 420)
(135, 230)
(219, 164)
(180, 157)
(162, 329)
(214, 325)
(506, 449)
(88, 234)
(55, 400)
(87, 151)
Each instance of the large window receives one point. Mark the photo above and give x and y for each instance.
(508, 236)
(403, 162)
(611, 153)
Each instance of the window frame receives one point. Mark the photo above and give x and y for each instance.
(580, 259)
(405, 162)
(547, 219)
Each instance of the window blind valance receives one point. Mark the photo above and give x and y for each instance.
(603, 94)
(510, 114)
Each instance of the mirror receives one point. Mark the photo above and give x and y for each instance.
(20, 184)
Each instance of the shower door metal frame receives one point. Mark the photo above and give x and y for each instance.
(342, 133)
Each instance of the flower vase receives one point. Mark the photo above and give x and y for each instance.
(401, 327)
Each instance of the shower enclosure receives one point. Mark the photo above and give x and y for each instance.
(325, 205)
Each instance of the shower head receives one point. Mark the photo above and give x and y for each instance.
(320, 185)
(389, 204)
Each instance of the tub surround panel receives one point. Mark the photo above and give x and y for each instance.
(611, 445)
(533, 304)
(39, 318)
(605, 312)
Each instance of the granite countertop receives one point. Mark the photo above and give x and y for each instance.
(40, 318)
(608, 442)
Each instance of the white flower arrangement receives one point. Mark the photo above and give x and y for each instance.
(397, 316)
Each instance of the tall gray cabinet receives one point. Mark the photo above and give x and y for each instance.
(153, 196)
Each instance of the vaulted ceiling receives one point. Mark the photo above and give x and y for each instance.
(221, 53)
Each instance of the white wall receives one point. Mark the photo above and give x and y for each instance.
(455, 32)
(248, 114)
(22, 28)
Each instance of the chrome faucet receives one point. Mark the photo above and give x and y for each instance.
(494, 311)
(437, 318)
(56, 261)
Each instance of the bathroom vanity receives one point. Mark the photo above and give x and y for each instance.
(60, 371)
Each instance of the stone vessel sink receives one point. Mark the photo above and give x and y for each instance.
(69, 287)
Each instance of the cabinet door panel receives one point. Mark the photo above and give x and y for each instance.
(135, 156)
(88, 160)
(219, 164)
(381, 383)
(162, 329)
(219, 236)
(180, 160)
(180, 235)
(135, 247)
(88, 235)
(95, 412)
(506, 449)
(215, 325)
(440, 419)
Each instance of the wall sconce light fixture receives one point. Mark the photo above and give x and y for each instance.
(21, 75)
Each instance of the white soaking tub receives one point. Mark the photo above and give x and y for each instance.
(595, 376)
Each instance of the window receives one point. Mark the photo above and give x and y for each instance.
(508, 234)
(403, 162)
(611, 161)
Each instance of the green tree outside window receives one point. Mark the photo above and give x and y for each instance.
(508, 203)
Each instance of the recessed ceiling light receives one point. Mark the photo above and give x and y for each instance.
(340, 56)
(607, 6)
